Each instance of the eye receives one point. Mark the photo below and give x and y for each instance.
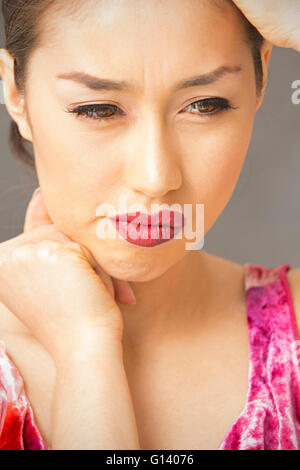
(97, 112)
(209, 106)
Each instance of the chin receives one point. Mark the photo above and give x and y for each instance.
(132, 269)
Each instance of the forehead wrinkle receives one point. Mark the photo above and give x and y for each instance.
(77, 10)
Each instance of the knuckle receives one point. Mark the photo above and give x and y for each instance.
(46, 248)
(20, 253)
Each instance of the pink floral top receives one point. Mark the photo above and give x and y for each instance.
(270, 419)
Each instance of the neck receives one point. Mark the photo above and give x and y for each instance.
(169, 306)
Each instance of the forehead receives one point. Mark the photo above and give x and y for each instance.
(110, 35)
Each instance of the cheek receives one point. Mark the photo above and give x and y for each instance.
(74, 168)
(71, 154)
(71, 190)
(214, 160)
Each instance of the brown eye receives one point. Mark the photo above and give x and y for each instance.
(209, 106)
(97, 112)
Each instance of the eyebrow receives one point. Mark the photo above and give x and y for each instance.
(96, 83)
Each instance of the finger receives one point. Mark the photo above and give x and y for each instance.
(123, 291)
(36, 213)
(120, 290)
(100, 271)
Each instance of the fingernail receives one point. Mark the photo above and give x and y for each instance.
(133, 301)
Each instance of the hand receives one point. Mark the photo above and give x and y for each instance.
(54, 286)
(278, 21)
(37, 215)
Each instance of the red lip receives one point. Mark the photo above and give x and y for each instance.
(164, 217)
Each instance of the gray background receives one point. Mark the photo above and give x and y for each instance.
(261, 223)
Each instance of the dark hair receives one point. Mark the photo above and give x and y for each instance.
(23, 26)
(256, 41)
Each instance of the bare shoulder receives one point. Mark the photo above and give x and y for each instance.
(9, 323)
(293, 276)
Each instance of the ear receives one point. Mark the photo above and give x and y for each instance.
(13, 98)
(266, 51)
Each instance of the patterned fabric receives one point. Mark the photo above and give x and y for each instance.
(270, 419)
(18, 430)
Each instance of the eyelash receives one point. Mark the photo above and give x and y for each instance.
(221, 104)
(87, 111)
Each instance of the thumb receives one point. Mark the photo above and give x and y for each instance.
(36, 213)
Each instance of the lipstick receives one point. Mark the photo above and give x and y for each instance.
(148, 230)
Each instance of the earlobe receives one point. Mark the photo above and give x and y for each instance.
(24, 127)
(266, 53)
(265, 58)
(13, 98)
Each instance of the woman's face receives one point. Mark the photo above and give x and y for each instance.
(163, 144)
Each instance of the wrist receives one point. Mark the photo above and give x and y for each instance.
(84, 346)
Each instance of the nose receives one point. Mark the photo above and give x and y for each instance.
(153, 165)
